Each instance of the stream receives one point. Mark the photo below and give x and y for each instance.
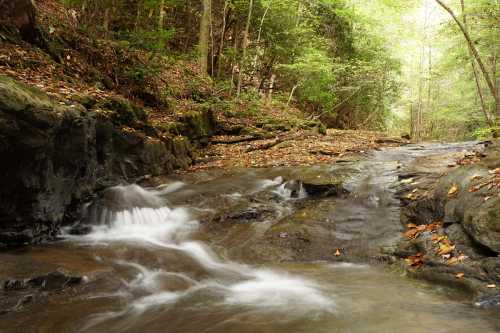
(246, 251)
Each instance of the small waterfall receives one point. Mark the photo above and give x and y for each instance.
(142, 217)
(292, 189)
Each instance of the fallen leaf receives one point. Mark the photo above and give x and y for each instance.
(453, 191)
(422, 227)
(438, 239)
(411, 225)
(412, 233)
(495, 171)
(491, 286)
(407, 181)
(415, 260)
(337, 253)
(459, 275)
(476, 177)
(433, 226)
(452, 261)
(445, 249)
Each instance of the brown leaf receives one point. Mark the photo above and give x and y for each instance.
(476, 177)
(459, 275)
(337, 253)
(437, 239)
(415, 260)
(412, 233)
(445, 249)
(433, 226)
(453, 191)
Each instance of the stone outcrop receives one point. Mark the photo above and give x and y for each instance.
(55, 156)
(466, 201)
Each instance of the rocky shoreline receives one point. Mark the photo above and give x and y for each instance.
(452, 220)
(57, 155)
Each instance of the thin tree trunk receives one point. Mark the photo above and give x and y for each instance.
(271, 88)
(291, 94)
(222, 35)
(106, 20)
(204, 36)
(137, 16)
(244, 48)
(476, 55)
(211, 43)
(233, 62)
(161, 14)
(476, 74)
(256, 57)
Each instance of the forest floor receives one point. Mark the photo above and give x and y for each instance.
(75, 67)
(303, 147)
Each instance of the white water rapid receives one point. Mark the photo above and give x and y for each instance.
(137, 217)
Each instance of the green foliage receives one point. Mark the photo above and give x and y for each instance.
(483, 133)
(150, 40)
(314, 76)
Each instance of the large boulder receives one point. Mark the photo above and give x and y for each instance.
(55, 156)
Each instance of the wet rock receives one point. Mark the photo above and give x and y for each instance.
(471, 223)
(80, 230)
(49, 282)
(491, 302)
(58, 155)
(484, 224)
(320, 182)
(323, 190)
(25, 300)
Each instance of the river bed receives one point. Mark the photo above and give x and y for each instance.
(244, 251)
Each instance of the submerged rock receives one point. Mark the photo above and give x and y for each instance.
(50, 282)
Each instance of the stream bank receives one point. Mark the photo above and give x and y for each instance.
(452, 215)
(232, 250)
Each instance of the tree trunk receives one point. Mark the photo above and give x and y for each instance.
(233, 62)
(204, 36)
(244, 48)
(161, 14)
(291, 94)
(271, 89)
(222, 37)
(476, 55)
(476, 74)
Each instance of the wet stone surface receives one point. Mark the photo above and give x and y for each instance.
(251, 251)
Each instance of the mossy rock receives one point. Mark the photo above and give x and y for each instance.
(283, 127)
(310, 124)
(28, 104)
(197, 124)
(125, 112)
(86, 101)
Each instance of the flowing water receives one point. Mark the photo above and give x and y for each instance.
(154, 262)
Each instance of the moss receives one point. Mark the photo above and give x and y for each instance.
(125, 112)
(87, 101)
(197, 124)
(28, 103)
